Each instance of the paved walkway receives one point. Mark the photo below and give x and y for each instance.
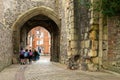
(45, 70)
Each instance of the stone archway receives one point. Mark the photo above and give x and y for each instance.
(39, 16)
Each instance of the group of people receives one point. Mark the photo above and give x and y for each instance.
(27, 56)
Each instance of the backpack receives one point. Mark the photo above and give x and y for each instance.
(26, 54)
(21, 52)
(30, 53)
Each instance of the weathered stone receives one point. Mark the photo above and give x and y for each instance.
(105, 37)
(73, 44)
(113, 43)
(73, 37)
(94, 45)
(85, 51)
(95, 60)
(93, 35)
(87, 43)
(82, 44)
(86, 36)
(92, 53)
(74, 51)
(6, 51)
(92, 67)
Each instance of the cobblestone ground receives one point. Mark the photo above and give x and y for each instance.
(45, 70)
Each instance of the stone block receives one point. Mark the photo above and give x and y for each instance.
(85, 51)
(74, 51)
(88, 61)
(118, 57)
(93, 35)
(86, 36)
(82, 44)
(114, 63)
(92, 67)
(69, 53)
(94, 45)
(92, 53)
(73, 37)
(87, 43)
(73, 44)
(105, 37)
(76, 37)
(95, 60)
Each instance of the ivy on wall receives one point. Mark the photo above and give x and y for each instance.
(107, 7)
(111, 7)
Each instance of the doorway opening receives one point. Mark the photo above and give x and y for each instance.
(39, 38)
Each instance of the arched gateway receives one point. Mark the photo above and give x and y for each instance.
(40, 16)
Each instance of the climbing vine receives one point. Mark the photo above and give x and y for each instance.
(107, 7)
(110, 7)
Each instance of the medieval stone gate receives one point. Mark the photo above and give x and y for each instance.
(40, 16)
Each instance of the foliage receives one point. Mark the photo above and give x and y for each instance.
(107, 7)
(110, 7)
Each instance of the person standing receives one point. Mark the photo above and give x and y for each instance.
(22, 61)
(30, 56)
(26, 55)
(39, 51)
(36, 55)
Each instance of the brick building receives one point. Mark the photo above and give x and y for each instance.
(38, 37)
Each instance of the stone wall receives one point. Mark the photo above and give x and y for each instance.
(63, 38)
(6, 49)
(10, 11)
(1, 10)
(83, 27)
(95, 39)
(69, 32)
(72, 30)
(88, 29)
(16, 8)
(113, 56)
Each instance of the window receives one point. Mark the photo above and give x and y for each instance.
(40, 42)
(42, 35)
(37, 32)
(38, 36)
